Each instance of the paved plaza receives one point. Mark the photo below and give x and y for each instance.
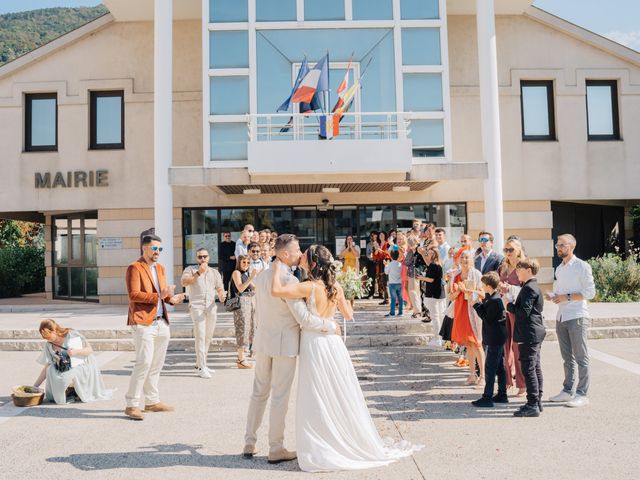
(412, 392)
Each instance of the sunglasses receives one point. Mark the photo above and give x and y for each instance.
(484, 240)
(255, 251)
(508, 250)
(203, 256)
(156, 248)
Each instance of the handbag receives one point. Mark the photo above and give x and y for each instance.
(61, 359)
(232, 303)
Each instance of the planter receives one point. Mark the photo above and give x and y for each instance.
(26, 396)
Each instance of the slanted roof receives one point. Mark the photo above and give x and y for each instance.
(584, 35)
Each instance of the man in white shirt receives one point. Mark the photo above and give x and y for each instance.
(202, 283)
(257, 262)
(441, 243)
(574, 285)
(243, 243)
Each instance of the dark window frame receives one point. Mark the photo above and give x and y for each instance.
(28, 97)
(550, 111)
(615, 112)
(93, 97)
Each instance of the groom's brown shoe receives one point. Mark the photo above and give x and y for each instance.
(249, 451)
(282, 455)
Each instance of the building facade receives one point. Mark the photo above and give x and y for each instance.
(153, 116)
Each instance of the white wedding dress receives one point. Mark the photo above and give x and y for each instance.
(334, 430)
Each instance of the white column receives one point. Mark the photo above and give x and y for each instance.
(163, 129)
(490, 119)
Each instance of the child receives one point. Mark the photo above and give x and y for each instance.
(494, 336)
(393, 270)
(529, 332)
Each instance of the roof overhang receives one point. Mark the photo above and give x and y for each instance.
(142, 10)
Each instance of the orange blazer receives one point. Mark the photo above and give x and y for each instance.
(143, 296)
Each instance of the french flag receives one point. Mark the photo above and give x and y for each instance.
(316, 80)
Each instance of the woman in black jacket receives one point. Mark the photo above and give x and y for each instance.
(529, 332)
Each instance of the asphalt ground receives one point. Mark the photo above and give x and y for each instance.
(414, 393)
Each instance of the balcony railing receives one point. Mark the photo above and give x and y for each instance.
(353, 126)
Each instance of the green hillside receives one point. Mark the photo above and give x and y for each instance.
(22, 32)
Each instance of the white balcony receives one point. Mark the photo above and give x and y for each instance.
(367, 143)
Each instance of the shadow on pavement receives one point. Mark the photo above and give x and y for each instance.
(167, 455)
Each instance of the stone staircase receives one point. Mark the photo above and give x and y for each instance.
(370, 329)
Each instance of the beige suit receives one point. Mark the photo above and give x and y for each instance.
(277, 343)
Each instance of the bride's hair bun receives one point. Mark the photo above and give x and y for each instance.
(322, 267)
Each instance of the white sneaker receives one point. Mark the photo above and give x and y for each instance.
(205, 373)
(561, 397)
(578, 401)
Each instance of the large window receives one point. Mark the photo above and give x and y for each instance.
(536, 98)
(107, 120)
(41, 122)
(602, 110)
(314, 225)
(75, 246)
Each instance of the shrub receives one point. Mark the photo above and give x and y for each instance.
(617, 279)
(22, 270)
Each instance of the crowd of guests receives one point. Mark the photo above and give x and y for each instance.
(487, 306)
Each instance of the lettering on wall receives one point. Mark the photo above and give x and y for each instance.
(75, 179)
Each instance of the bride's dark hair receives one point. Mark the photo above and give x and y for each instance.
(321, 267)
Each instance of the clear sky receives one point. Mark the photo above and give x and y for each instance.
(616, 19)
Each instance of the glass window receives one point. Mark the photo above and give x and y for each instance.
(61, 243)
(41, 122)
(201, 230)
(375, 219)
(234, 219)
(91, 278)
(90, 241)
(304, 226)
(228, 11)
(324, 10)
(602, 110)
(275, 10)
(76, 235)
(405, 214)
(422, 92)
(229, 141)
(107, 120)
(77, 282)
(62, 281)
(372, 9)
(419, 9)
(229, 49)
(278, 219)
(427, 137)
(421, 46)
(453, 218)
(537, 110)
(229, 95)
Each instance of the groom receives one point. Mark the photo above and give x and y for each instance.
(276, 345)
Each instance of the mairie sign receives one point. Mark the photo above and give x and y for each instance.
(75, 179)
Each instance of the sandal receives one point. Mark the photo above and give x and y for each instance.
(243, 364)
(415, 315)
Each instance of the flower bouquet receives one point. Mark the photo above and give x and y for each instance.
(354, 283)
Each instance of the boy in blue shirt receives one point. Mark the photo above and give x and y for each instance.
(393, 270)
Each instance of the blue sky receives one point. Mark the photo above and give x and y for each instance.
(616, 19)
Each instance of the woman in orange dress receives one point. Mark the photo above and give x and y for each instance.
(467, 326)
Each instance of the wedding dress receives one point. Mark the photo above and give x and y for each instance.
(334, 430)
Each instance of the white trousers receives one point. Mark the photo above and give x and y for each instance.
(273, 375)
(151, 342)
(436, 308)
(414, 294)
(204, 323)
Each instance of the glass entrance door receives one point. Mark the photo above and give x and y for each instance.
(75, 257)
(335, 225)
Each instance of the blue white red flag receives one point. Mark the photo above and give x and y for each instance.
(304, 69)
(316, 80)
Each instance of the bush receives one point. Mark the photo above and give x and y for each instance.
(21, 270)
(617, 279)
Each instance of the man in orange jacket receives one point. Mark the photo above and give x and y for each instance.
(148, 295)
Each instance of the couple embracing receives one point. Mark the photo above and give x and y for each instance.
(334, 430)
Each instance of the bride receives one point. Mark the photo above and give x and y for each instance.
(334, 430)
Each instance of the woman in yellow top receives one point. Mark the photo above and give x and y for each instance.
(350, 256)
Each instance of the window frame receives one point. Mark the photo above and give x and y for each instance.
(615, 111)
(93, 132)
(551, 137)
(28, 118)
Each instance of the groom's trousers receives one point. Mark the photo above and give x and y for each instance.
(273, 375)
